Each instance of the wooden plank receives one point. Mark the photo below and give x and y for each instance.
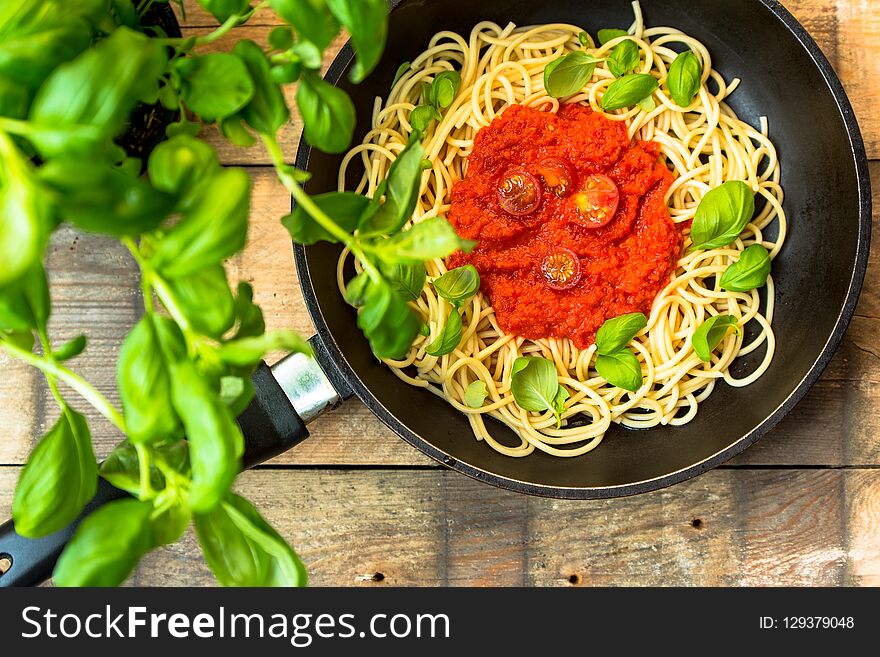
(429, 528)
(196, 16)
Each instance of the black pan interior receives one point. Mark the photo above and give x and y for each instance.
(818, 273)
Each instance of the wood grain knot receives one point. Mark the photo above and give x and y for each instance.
(696, 523)
(575, 580)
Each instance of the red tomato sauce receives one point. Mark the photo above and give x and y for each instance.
(623, 264)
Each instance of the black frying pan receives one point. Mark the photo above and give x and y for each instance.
(818, 273)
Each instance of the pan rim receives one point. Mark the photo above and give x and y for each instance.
(857, 148)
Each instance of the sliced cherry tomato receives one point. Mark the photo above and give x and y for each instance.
(597, 200)
(519, 192)
(562, 269)
(556, 175)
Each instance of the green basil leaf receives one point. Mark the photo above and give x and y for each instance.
(236, 392)
(101, 86)
(357, 289)
(215, 440)
(420, 118)
(249, 351)
(616, 333)
(401, 71)
(385, 317)
(408, 280)
(401, 192)
(214, 86)
(722, 214)
(647, 104)
(267, 111)
(107, 545)
(281, 37)
(475, 394)
(242, 549)
(684, 78)
(628, 90)
(60, 478)
(749, 272)
(70, 349)
(449, 337)
(608, 34)
(206, 300)
(585, 40)
(621, 369)
(444, 89)
(559, 404)
(328, 114)
(213, 229)
(432, 238)
(624, 58)
(310, 18)
(458, 285)
(14, 99)
(24, 305)
(122, 469)
(286, 73)
(37, 45)
(247, 313)
(223, 10)
(100, 198)
(534, 383)
(569, 74)
(345, 208)
(710, 333)
(180, 165)
(367, 22)
(144, 380)
(169, 525)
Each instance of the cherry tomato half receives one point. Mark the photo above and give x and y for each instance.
(562, 269)
(597, 200)
(556, 175)
(519, 192)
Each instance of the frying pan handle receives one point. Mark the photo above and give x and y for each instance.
(293, 392)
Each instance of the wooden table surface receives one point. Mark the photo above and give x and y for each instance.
(363, 508)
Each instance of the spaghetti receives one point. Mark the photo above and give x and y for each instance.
(704, 145)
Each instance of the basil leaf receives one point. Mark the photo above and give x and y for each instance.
(233, 128)
(749, 272)
(624, 58)
(608, 34)
(458, 285)
(242, 549)
(169, 525)
(710, 333)
(267, 110)
(385, 318)
(401, 192)
(24, 305)
(206, 300)
(722, 214)
(420, 118)
(449, 337)
(475, 394)
(647, 104)
(100, 198)
(214, 86)
(559, 404)
(569, 74)
(585, 40)
(180, 165)
(534, 383)
(356, 290)
(367, 23)
(401, 71)
(223, 10)
(249, 351)
(215, 440)
(60, 478)
(100, 87)
(684, 78)
(328, 114)
(38, 42)
(345, 208)
(215, 227)
(628, 90)
(247, 313)
(14, 99)
(281, 37)
(431, 238)
(408, 280)
(286, 72)
(444, 88)
(144, 380)
(70, 349)
(310, 18)
(122, 469)
(107, 545)
(621, 369)
(616, 333)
